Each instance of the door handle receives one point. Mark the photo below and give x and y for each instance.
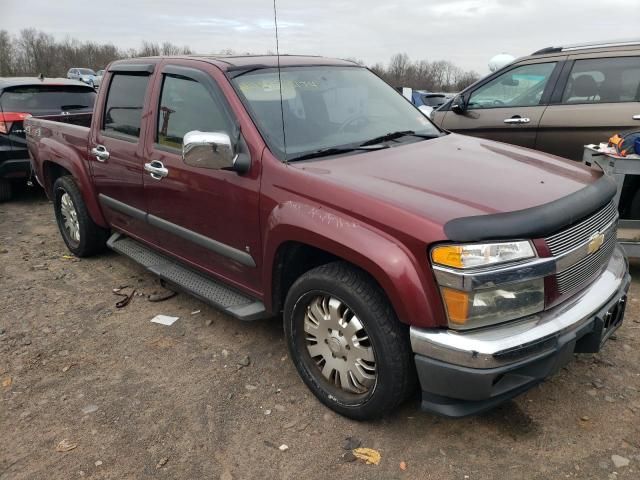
(156, 169)
(636, 117)
(517, 119)
(100, 152)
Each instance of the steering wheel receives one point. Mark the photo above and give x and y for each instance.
(352, 121)
(498, 103)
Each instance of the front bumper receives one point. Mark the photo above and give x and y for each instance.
(462, 373)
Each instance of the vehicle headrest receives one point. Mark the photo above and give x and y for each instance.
(584, 86)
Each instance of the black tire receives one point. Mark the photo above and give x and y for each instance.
(5, 190)
(388, 337)
(634, 208)
(92, 237)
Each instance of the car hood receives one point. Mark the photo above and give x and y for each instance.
(455, 176)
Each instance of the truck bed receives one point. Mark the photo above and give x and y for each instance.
(57, 138)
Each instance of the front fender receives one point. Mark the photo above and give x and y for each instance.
(72, 160)
(412, 293)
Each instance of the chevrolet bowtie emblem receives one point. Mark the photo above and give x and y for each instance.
(595, 242)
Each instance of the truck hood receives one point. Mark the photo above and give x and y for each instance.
(456, 176)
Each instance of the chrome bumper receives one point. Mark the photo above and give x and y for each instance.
(526, 338)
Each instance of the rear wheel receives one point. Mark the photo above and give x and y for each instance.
(346, 342)
(81, 234)
(5, 190)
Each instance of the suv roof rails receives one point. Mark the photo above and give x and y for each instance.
(583, 46)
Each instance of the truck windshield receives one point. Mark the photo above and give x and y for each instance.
(327, 108)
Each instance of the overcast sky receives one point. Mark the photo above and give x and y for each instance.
(467, 32)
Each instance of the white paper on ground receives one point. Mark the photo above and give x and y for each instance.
(164, 319)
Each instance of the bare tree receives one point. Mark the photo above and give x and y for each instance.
(436, 76)
(6, 54)
(398, 68)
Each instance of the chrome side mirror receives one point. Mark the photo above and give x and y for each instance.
(208, 150)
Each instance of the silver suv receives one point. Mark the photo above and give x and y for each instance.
(85, 75)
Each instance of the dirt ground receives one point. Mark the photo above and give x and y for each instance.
(142, 400)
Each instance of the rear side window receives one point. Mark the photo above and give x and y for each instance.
(186, 105)
(125, 101)
(519, 87)
(48, 99)
(603, 80)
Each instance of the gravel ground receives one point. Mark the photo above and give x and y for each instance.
(211, 397)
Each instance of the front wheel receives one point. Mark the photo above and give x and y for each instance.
(81, 234)
(346, 342)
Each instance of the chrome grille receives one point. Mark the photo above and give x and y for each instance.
(580, 233)
(574, 276)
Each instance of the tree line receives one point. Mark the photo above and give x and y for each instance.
(33, 52)
(435, 76)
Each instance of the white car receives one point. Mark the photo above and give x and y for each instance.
(98, 80)
(85, 75)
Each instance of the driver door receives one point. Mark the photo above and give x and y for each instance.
(507, 107)
(207, 217)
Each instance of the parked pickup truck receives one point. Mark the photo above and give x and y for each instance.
(395, 252)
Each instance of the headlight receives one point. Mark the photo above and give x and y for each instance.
(481, 254)
(493, 305)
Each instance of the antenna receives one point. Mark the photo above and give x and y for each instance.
(284, 136)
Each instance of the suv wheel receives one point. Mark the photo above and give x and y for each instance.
(346, 342)
(5, 190)
(81, 234)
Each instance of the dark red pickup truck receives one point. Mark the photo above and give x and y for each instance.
(397, 253)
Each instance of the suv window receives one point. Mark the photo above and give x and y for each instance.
(125, 100)
(48, 99)
(186, 105)
(603, 80)
(519, 87)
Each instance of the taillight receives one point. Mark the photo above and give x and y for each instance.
(7, 119)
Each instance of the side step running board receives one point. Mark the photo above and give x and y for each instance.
(200, 286)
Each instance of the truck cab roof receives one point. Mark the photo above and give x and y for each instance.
(242, 62)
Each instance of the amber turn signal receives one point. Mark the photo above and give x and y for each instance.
(449, 255)
(457, 304)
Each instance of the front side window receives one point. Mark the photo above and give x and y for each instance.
(125, 101)
(325, 107)
(186, 105)
(603, 80)
(520, 87)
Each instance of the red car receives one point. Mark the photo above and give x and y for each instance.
(395, 252)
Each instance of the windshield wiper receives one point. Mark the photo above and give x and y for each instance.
(325, 152)
(394, 135)
(73, 107)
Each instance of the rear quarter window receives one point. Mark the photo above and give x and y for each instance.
(125, 101)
